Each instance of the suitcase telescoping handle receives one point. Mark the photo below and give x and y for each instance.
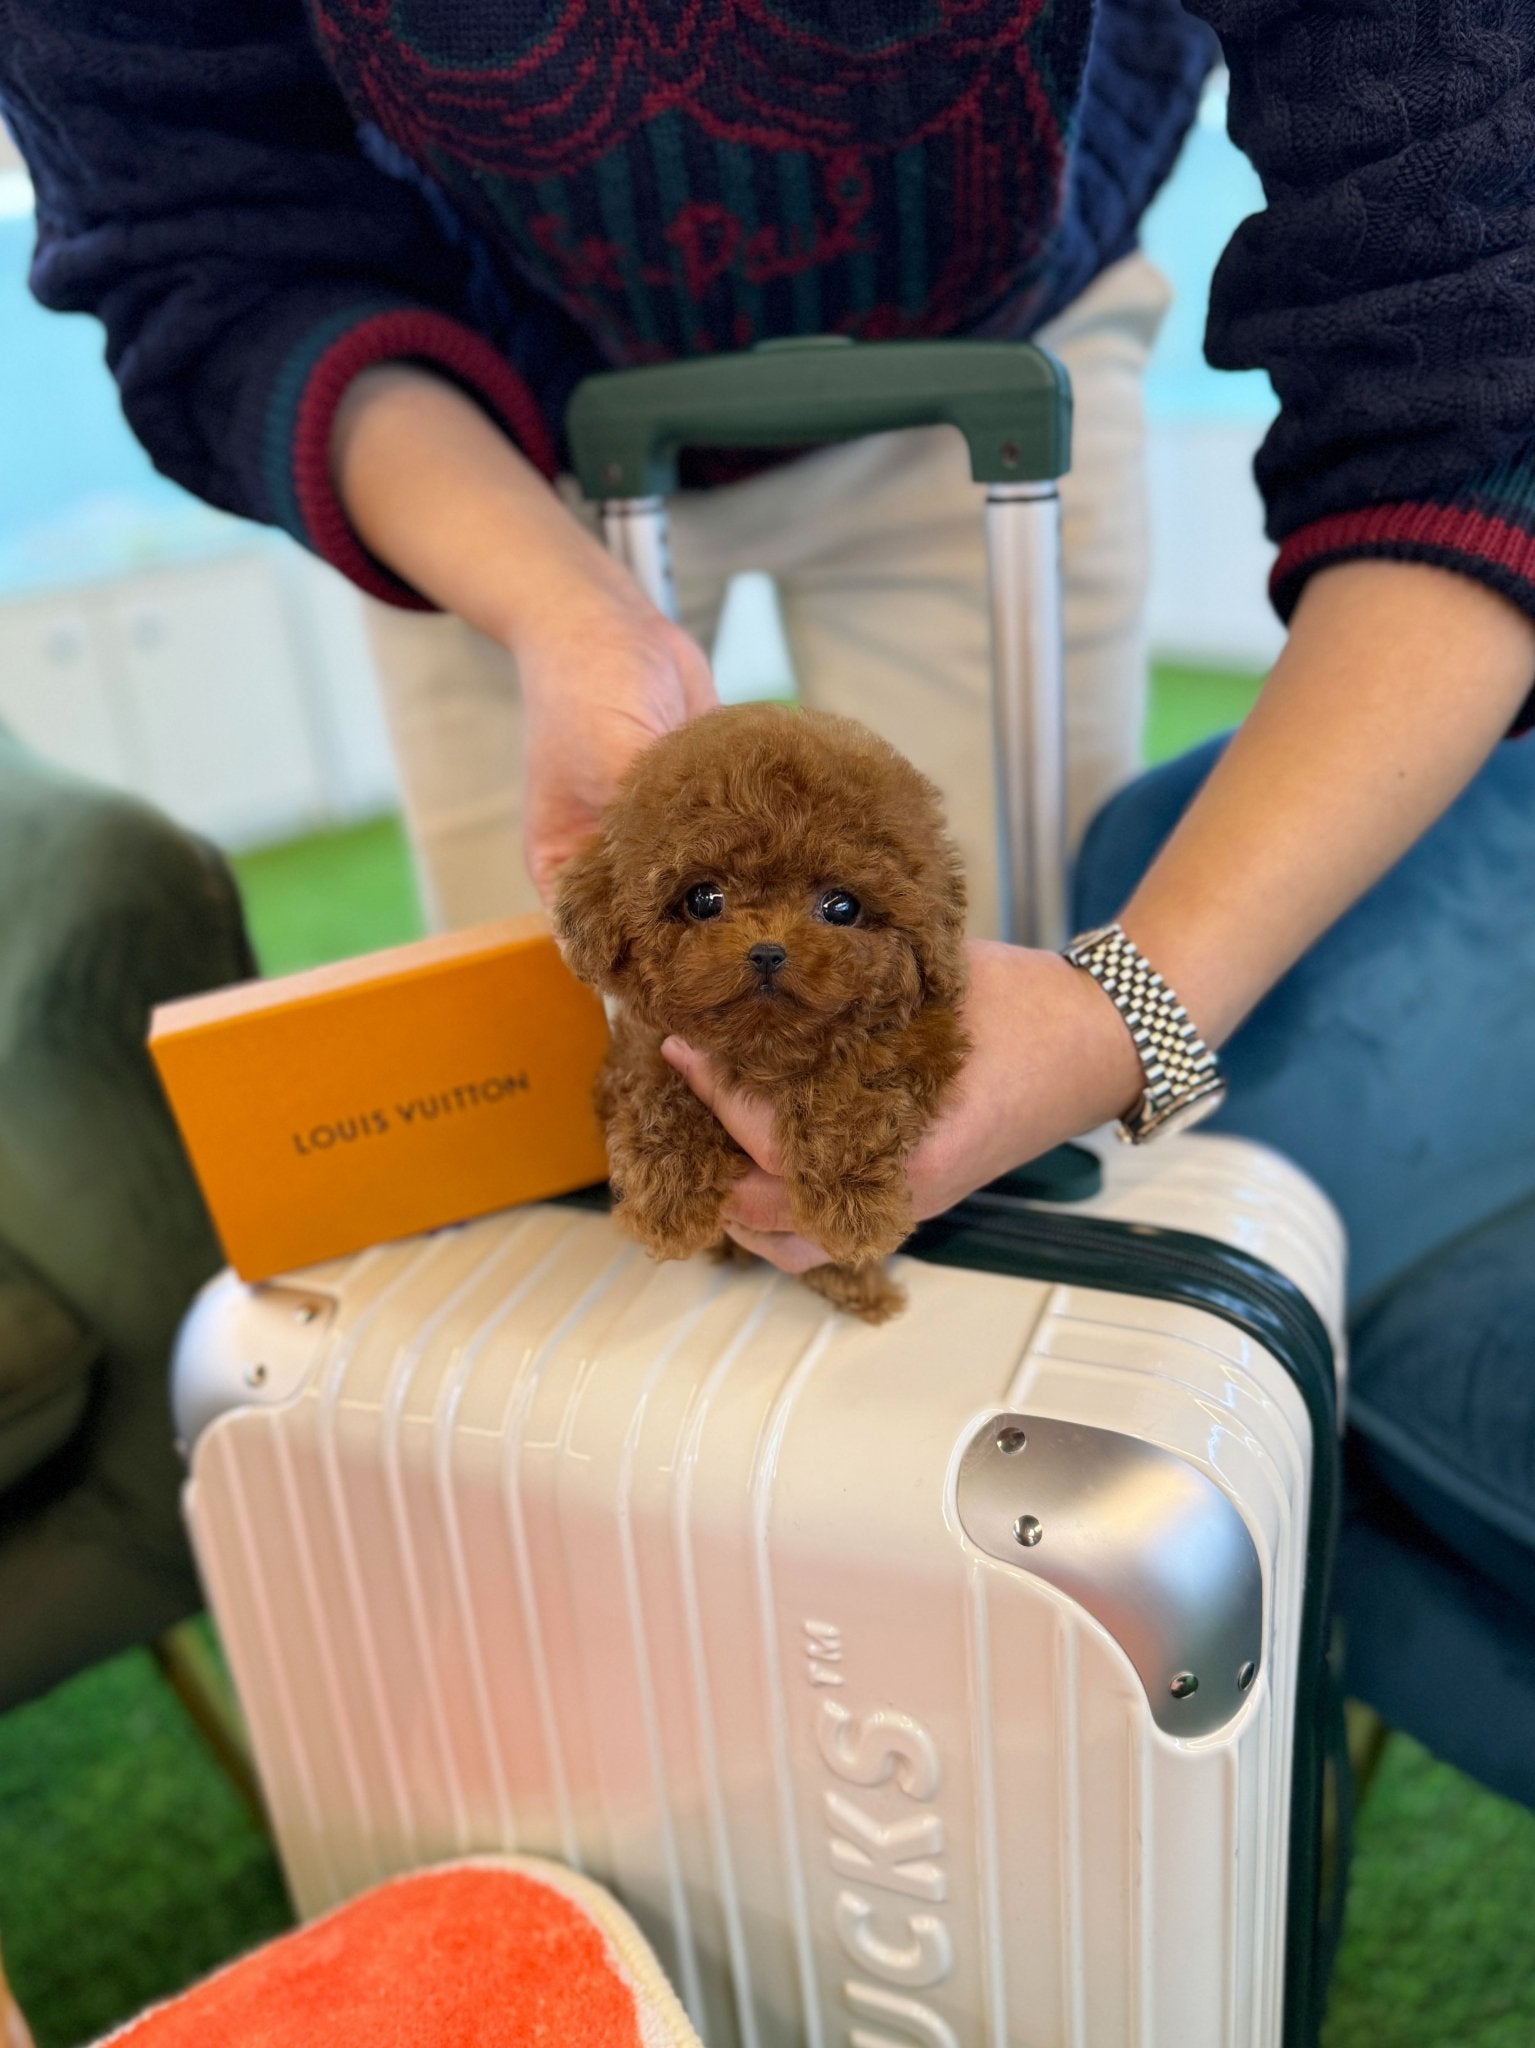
(1012, 403)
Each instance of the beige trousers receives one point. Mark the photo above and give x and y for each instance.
(877, 550)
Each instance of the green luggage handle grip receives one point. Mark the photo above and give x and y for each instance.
(1010, 400)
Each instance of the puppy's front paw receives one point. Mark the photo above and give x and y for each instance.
(866, 1216)
(864, 1289)
(666, 1208)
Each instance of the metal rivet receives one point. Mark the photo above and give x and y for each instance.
(1246, 1675)
(1028, 1531)
(1183, 1685)
(1011, 1441)
(255, 1376)
(1011, 454)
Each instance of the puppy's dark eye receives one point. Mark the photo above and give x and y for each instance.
(839, 906)
(703, 901)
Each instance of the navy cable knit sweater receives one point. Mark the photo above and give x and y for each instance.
(259, 200)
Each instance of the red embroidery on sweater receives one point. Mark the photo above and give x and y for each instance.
(548, 89)
(576, 81)
(707, 236)
(849, 185)
(710, 240)
(767, 257)
(591, 261)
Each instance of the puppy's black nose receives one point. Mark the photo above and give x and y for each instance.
(767, 959)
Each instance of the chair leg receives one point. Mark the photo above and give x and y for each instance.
(1368, 1735)
(1366, 1738)
(195, 1676)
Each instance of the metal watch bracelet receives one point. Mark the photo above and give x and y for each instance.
(1183, 1080)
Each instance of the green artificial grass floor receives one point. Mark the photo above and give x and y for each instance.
(1187, 705)
(329, 897)
(128, 1867)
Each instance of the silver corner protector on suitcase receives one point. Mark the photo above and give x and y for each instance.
(1140, 1539)
(240, 1344)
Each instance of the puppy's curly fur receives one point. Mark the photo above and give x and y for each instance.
(752, 833)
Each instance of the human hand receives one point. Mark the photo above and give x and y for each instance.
(439, 494)
(1050, 1059)
(603, 675)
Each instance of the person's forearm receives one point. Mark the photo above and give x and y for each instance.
(443, 498)
(440, 495)
(1396, 683)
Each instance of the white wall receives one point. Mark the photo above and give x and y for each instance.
(236, 692)
(1209, 560)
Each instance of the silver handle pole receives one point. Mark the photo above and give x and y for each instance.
(634, 530)
(1023, 561)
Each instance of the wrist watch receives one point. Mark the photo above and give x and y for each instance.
(1183, 1081)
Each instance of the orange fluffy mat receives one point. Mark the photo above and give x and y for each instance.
(484, 1954)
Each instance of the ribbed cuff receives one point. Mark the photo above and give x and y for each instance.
(310, 388)
(1496, 551)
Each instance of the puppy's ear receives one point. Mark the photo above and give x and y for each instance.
(940, 954)
(586, 919)
(940, 945)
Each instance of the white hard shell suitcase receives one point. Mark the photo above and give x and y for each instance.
(956, 1682)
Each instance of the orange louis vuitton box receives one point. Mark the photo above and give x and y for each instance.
(329, 1110)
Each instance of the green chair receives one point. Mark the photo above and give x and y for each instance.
(106, 909)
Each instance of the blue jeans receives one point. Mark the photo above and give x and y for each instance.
(1396, 1063)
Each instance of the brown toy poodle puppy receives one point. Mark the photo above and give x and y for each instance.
(776, 887)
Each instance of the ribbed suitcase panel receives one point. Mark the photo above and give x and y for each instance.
(479, 1419)
(869, 1588)
(673, 1552)
(1065, 1716)
(1216, 1859)
(625, 1611)
(251, 1550)
(659, 1570)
